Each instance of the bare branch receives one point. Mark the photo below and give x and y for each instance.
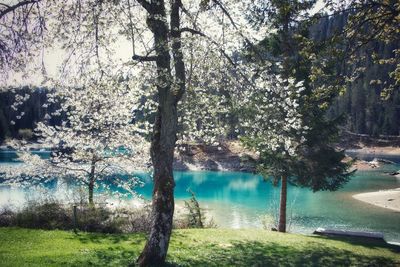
(9, 9)
(249, 43)
(196, 32)
(222, 51)
(144, 58)
(69, 168)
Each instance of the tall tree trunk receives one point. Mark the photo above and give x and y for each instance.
(286, 73)
(162, 150)
(91, 182)
(286, 47)
(282, 206)
(170, 90)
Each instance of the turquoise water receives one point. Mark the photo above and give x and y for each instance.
(238, 200)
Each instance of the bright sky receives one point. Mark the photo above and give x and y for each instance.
(53, 58)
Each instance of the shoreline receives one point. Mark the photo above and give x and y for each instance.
(232, 156)
(388, 199)
(379, 150)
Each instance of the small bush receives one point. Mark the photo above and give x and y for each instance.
(44, 216)
(140, 219)
(53, 215)
(193, 216)
(6, 217)
(268, 222)
(93, 219)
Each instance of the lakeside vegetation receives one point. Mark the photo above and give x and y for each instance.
(139, 81)
(194, 247)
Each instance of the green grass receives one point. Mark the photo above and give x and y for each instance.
(209, 247)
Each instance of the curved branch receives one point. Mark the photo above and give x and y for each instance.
(249, 43)
(10, 9)
(196, 32)
(222, 51)
(144, 58)
(146, 5)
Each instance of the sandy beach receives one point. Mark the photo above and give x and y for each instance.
(389, 199)
(361, 165)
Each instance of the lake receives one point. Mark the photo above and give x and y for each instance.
(239, 200)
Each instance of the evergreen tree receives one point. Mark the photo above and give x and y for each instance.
(315, 163)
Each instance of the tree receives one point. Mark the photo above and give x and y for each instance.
(303, 156)
(293, 148)
(98, 144)
(273, 126)
(371, 21)
(171, 86)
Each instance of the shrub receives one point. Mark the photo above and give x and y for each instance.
(268, 222)
(101, 219)
(6, 217)
(140, 219)
(91, 219)
(49, 215)
(193, 216)
(52, 215)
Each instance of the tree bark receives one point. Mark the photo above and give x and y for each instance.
(286, 73)
(286, 47)
(282, 206)
(170, 90)
(91, 182)
(155, 250)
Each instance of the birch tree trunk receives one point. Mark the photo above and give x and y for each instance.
(170, 90)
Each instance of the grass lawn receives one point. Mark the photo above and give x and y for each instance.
(196, 247)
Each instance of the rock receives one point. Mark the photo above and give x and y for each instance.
(213, 158)
(374, 163)
(211, 165)
(179, 165)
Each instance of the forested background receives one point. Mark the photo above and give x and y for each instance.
(33, 109)
(367, 112)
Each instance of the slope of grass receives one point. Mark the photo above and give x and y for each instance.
(208, 247)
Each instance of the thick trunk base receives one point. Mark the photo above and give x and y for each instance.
(155, 251)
